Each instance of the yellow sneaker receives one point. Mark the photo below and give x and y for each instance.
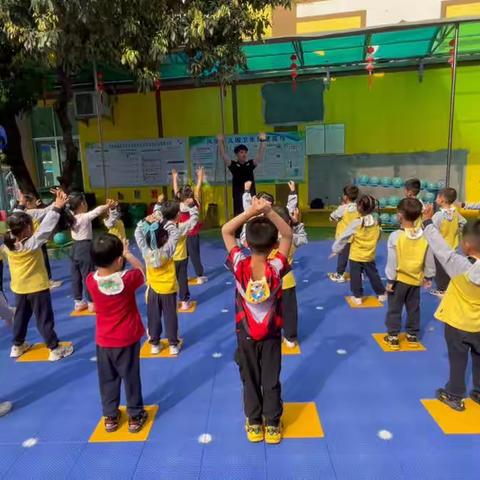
(273, 435)
(254, 432)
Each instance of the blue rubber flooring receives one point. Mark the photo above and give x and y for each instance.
(357, 394)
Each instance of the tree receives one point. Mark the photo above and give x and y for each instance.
(68, 35)
(20, 87)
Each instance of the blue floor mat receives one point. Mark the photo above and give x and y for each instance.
(358, 390)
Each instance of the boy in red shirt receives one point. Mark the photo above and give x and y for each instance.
(259, 318)
(119, 329)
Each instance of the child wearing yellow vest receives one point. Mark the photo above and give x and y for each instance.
(157, 241)
(411, 189)
(345, 214)
(363, 234)
(459, 309)
(409, 265)
(449, 223)
(29, 279)
(114, 223)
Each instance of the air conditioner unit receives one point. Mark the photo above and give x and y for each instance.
(86, 105)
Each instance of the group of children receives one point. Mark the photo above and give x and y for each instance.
(423, 249)
(265, 300)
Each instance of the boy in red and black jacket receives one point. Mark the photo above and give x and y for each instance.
(119, 329)
(259, 318)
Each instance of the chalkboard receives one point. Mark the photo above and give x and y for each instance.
(282, 105)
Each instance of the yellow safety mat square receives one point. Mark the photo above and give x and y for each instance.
(404, 345)
(452, 422)
(193, 307)
(291, 351)
(368, 302)
(301, 420)
(82, 313)
(164, 353)
(39, 353)
(122, 434)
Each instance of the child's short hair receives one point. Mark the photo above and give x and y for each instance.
(410, 208)
(471, 233)
(106, 248)
(16, 224)
(366, 204)
(261, 235)
(351, 192)
(266, 196)
(170, 209)
(185, 193)
(282, 211)
(75, 199)
(240, 148)
(156, 236)
(413, 185)
(449, 194)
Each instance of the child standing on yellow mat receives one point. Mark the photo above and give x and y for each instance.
(409, 265)
(29, 279)
(459, 309)
(345, 214)
(119, 330)
(259, 314)
(157, 241)
(364, 234)
(449, 223)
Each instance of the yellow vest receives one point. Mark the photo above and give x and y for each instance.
(345, 221)
(460, 306)
(364, 243)
(118, 230)
(27, 270)
(288, 280)
(181, 249)
(450, 231)
(162, 280)
(411, 259)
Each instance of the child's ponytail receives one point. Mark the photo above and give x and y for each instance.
(17, 224)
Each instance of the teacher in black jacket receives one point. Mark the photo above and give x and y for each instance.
(241, 168)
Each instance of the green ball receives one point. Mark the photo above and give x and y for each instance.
(384, 218)
(397, 182)
(60, 238)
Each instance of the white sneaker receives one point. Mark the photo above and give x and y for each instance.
(337, 278)
(201, 280)
(174, 349)
(59, 353)
(80, 305)
(357, 300)
(155, 349)
(5, 407)
(185, 305)
(18, 351)
(289, 343)
(436, 293)
(91, 307)
(55, 284)
(382, 298)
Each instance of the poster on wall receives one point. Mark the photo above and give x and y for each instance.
(284, 156)
(136, 163)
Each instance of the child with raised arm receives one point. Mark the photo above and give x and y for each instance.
(193, 237)
(345, 214)
(82, 235)
(119, 329)
(29, 279)
(409, 265)
(449, 223)
(114, 222)
(259, 314)
(459, 309)
(364, 234)
(157, 240)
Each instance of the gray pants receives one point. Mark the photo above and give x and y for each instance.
(407, 296)
(441, 277)
(40, 304)
(159, 305)
(82, 265)
(181, 269)
(370, 270)
(193, 248)
(115, 365)
(342, 260)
